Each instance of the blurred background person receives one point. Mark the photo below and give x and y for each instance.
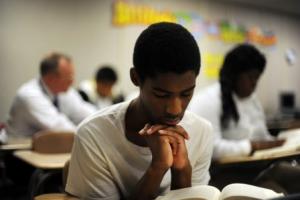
(99, 91)
(238, 119)
(45, 102)
(232, 106)
(49, 101)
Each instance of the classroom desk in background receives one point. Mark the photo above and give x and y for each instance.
(43, 161)
(15, 143)
(244, 169)
(46, 166)
(245, 159)
(277, 125)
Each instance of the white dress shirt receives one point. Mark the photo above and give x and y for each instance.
(33, 110)
(235, 140)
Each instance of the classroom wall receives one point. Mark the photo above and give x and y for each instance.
(83, 29)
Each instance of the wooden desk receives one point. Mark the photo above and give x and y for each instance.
(43, 161)
(244, 159)
(290, 148)
(277, 125)
(15, 143)
(46, 166)
(244, 169)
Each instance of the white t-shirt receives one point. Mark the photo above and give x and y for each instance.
(235, 140)
(33, 110)
(105, 165)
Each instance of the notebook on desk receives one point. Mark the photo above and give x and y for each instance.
(292, 144)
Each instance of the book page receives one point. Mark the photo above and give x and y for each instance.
(241, 191)
(292, 136)
(200, 192)
(292, 144)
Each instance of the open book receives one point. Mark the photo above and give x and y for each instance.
(292, 144)
(234, 191)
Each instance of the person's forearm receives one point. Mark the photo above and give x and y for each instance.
(148, 186)
(181, 178)
(258, 145)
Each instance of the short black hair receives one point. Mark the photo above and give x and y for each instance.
(106, 73)
(50, 63)
(165, 47)
(242, 58)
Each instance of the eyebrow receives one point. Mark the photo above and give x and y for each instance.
(166, 91)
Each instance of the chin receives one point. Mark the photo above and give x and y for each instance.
(245, 96)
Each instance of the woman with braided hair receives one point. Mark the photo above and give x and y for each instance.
(239, 122)
(232, 106)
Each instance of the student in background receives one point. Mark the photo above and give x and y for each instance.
(49, 101)
(232, 106)
(100, 90)
(237, 116)
(45, 102)
(139, 149)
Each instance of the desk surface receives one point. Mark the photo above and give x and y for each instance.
(43, 161)
(243, 159)
(15, 143)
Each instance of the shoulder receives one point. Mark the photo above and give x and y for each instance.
(29, 91)
(107, 121)
(29, 87)
(196, 124)
(107, 112)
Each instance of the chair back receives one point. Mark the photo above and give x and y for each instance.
(49, 141)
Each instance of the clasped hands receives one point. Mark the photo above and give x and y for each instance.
(167, 144)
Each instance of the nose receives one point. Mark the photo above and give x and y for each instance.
(174, 106)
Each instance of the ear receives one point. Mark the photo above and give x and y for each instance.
(134, 77)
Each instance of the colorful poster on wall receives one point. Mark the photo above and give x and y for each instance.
(212, 63)
(125, 14)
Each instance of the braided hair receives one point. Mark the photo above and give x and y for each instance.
(242, 58)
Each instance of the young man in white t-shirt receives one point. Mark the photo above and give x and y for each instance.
(143, 148)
